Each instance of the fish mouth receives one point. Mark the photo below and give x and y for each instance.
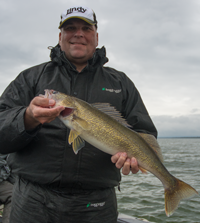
(67, 111)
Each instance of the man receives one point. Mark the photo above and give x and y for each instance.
(54, 182)
(5, 188)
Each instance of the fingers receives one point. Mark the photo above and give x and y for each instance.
(46, 114)
(130, 165)
(121, 161)
(134, 165)
(42, 102)
(39, 111)
(126, 167)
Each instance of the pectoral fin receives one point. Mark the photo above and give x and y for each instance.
(77, 142)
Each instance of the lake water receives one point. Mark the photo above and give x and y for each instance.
(142, 195)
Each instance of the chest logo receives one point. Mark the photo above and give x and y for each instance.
(112, 90)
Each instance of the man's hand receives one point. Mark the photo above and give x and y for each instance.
(39, 112)
(127, 164)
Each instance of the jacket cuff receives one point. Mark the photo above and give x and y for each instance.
(26, 135)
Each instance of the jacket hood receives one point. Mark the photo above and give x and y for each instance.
(99, 58)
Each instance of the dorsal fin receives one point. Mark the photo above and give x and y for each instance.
(151, 140)
(112, 112)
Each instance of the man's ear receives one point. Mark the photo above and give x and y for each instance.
(97, 39)
(59, 38)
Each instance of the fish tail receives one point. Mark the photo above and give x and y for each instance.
(175, 194)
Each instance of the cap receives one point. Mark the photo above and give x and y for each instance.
(80, 12)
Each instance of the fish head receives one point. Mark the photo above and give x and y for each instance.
(61, 100)
(69, 116)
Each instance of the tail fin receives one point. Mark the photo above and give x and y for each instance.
(174, 195)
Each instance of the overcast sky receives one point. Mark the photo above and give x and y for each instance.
(156, 43)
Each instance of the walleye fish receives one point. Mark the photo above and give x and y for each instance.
(102, 126)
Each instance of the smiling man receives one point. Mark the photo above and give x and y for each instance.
(78, 40)
(54, 182)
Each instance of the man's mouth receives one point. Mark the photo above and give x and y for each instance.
(77, 43)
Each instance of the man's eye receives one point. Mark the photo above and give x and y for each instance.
(69, 28)
(87, 28)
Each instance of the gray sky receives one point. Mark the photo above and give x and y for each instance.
(156, 43)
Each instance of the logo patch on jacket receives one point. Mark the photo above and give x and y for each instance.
(96, 205)
(112, 90)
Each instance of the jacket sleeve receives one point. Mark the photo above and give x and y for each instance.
(13, 103)
(135, 111)
(4, 168)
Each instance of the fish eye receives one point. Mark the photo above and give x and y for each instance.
(54, 92)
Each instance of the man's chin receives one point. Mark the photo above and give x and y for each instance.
(78, 54)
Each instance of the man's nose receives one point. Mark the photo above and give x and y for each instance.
(79, 33)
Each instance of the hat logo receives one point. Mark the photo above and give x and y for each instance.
(79, 9)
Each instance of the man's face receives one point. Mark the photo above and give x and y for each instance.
(78, 40)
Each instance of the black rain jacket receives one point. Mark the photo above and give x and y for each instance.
(44, 155)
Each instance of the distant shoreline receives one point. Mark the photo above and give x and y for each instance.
(178, 137)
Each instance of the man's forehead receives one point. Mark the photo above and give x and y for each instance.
(76, 21)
